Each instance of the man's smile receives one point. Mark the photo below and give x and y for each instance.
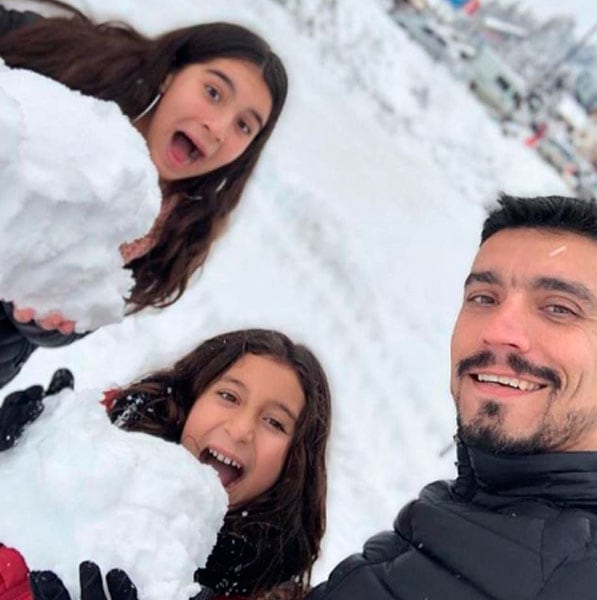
(508, 381)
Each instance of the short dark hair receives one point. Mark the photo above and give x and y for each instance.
(542, 212)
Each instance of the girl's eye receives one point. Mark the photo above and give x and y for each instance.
(228, 396)
(213, 92)
(244, 127)
(275, 424)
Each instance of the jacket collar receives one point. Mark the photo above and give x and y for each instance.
(563, 478)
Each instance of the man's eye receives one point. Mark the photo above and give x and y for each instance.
(213, 92)
(480, 299)
(559, 309)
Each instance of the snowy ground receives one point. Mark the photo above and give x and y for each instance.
(355, 237)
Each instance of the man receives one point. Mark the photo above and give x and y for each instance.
(520, 522)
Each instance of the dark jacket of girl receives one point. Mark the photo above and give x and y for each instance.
(19, 340)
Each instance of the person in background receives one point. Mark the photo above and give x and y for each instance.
(206, 98)
(519, 522)
(256, 407)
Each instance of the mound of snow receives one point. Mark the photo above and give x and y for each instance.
(76, 487)
(77, 181)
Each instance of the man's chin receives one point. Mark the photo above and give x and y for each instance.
(493, 440)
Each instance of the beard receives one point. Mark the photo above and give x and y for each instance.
(487, 432)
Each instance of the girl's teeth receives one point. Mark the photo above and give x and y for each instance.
(224, 459)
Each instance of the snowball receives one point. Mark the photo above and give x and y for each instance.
(77, 181)
(76, 487)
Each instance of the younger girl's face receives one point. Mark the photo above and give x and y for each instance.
(207, 117)
(243, 423)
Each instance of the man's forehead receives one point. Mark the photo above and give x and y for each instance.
(555, 241)
(527, 250)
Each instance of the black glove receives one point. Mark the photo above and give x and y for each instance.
(61, 379)
(19, 409)
(46, 585)
(23, 407)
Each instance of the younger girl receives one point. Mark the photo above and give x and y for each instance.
(205, 98)
(256, 407)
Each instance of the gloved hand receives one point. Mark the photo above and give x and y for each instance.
(46, 585)
(23, 407)
(19, 409)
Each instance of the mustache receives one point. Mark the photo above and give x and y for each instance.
(517, 363)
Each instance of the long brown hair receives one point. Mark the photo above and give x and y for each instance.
(297, 500)
(113, 61)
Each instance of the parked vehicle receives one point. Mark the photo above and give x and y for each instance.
(575, 169)
(495, 82)
(422, 30)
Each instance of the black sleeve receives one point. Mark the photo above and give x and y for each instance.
(13, 19)
(46, 338)
(357, 576)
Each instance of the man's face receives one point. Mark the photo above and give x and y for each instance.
(524, 347)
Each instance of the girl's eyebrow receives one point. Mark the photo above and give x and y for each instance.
(234, 380)
(277, 403)
(230, 84)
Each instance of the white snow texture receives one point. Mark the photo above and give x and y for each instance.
(64, 212)
(121, 499)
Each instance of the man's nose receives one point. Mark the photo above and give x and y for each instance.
(508, 326)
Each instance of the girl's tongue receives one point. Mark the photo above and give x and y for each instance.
(183, 149)
(226, 473)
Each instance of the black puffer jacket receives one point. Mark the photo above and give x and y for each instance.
(19, 340)
(510, 528)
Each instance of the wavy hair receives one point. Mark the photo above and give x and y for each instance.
(296, 502)
(113, 61)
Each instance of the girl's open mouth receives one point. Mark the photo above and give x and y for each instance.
(228, 469)
(184, 150)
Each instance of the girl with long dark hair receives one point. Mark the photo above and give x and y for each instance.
(205, 98)
(255, 406)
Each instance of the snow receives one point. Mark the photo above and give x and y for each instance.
(77, 181)
(81, 489)
(355, 236)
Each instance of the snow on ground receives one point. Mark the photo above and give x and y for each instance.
(355, 237)
(77, 181)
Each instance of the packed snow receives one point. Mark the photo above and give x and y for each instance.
(77, 181)
(355, 237)
(82, 489)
